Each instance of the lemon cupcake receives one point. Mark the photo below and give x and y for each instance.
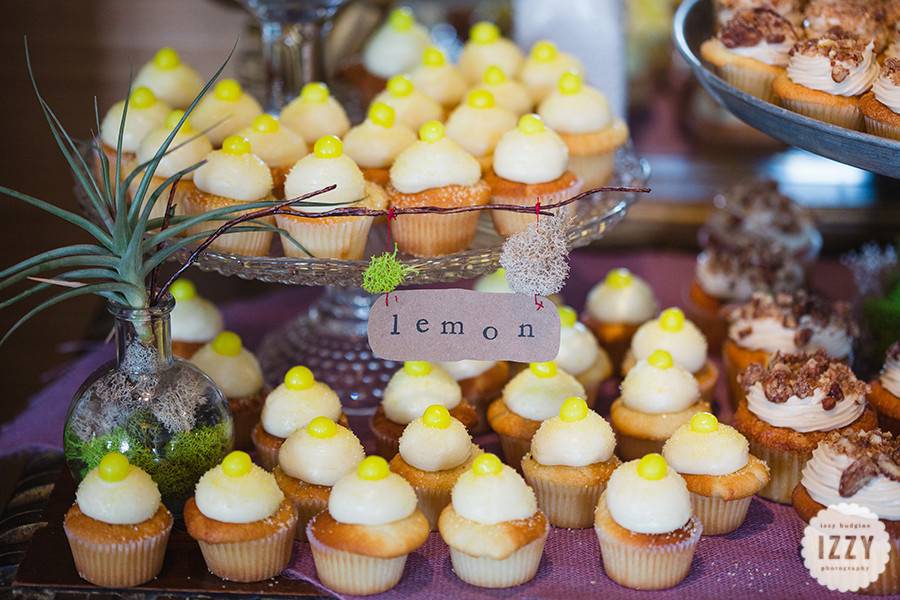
(645, 525)
(881, 106)
(508, 93)
(396, 46)
(439, 79)
(230, 177)
(531, 165)
(413, 108)
(329, 237)
(580, 355)
(543, 68)
(311, 461)
(481, 382)
(195, 321)
(360, 544)
(173, 82)
(375, 143)
(289, 407)
(436, 171)
(315, 113)
(535, 394)
(571, 459)
(486, 47)
(657, 397)
(225, 112)
(145, 113)
(478, 124)
(435, 449)
(118, 527)
(493, 526)
(241, 520)
(884, 392)
(277, 146)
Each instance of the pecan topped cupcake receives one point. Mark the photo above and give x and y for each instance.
(789, 9)
(884, 392)
(881, 106)
(861, 19)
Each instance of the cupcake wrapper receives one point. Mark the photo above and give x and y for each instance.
(255, 560)
(434, 235)
(567, 506)
(356, 574)
(514, 449)
(266, 457)
(385, 445)
(508, 223)
(720, 516)
(841, 115)
(646, 567)
(306, 508)
(888, 583)
(119, 565)
(519, 567)
(432, 502)
(785, 469)
(344, 239)
(882, 129)
(594, 170)
(756, 82)
(631, 448)
(248, 243)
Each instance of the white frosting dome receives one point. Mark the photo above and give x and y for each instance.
(511, 95)
(478, 130)
(573, 443)
(434, 449)
(584, 112)
(225, 117)
(312, 173)
(358, 501)
(375, 147)
(632, 304)
(541, 77)
(194, 150)
(887, 92)
(320, 461)
(138, 123)
(531, 158)
(413, 109)
(466, 369)
(645, 505)
(407, 396)
(540, 398)
(243, 499)
(578, 349)
(804, 414)
(687, 346)
(195, 320)
(287, 410)
(237, 376)
(429, 165)
(131, 500)
(770, 334)
(815, 72)
(718, 452)
(176, 86)
(475, 58)
(444, 84)
(242, 177)
(648, 389)
(492, 499)
(279, 148)
(391, 51)
(312, 120)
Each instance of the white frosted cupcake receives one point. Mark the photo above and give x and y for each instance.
(225, 111)
(173, 81)
(580, 355)
(439, 79)
(277, 146)
(396, 46)
(881, 106)
(375, 143)
(478, 124)
(508, 93)
(145, 113)
(195, 321)
(486, 47)
(413, 107)
(543, 68)
(315, 113)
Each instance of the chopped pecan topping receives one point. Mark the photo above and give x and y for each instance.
(873, 453)
(767, 267)
(843, 52)
(751, 27)
(857, 475)
(800, 310)
(802, 375)
(890, 70)
(860, 19)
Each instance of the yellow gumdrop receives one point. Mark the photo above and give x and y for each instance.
(400, 86)
(113, 467)
(314, 92)
(671, 320)
(236, 144)
(493, 75)
(265, 124)
(299, 378)
(660, 359)
(567, 316)
(436, 416)
(142, 97)
(544, 370)
(704, 422)
(652, 466)
(227, 343)
(573, 409)
(480, 99)
(237, 464)
(172, 120)
(619, 278)
(417, 368)
(382, 114)
(487, 464)
(228, 90)
(321, 427)
(401, 19)
(183, 290)
(328, 146)
(570, 83)
(166, 58)
(544, 51)
(433, 56)
(484, 32)
(431, 131)
(530, 124)
(373, 468)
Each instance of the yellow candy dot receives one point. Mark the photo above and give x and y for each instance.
(436, 416)
(314, 92)
(382, 114)
(544, 370)
(142, 97)
(299, 378)
(480, 99)
(660, 359)
(652, 466)
(544, 51)
(530, 124)
(573, 409)
(401, 19)
(265, 124)
(704, 422)
(236, 144)
(227, 343)
(433, 56)
(431, 131)
(570, 83)
(228, 89)
(172, 120)
(237, 464)
(373, 468)
(493, 75)
(183, 290)
(567, 316)
(166, 58)
(487, 464)
(484, 32)
(671, 320)
(328, 146)
(619, 279)
(400, 86)
(321, 427)
(113, 467)
(417, 368)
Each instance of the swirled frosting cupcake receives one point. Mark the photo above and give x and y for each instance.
(396, 46)
(195, 321)
(543, 68)
(225, 111)
(508, 93)
(493, 526)
(478, 124)
(413, 107)
(145, 113)
(884, 391)
(315, 113)
(881, 106)
(118, 527)
(439, 79)
(375, 143)
(360, 544)
(580, 355)
(791, 404)
(173, 81)
(486, 47)
(278, 146)
(789, 9)
(859, 19)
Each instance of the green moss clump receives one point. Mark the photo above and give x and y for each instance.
(385, 273)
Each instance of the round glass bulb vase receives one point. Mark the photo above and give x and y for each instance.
(163, 413)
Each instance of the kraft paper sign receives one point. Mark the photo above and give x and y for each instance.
(456, 324)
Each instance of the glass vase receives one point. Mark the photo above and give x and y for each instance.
(163, 413)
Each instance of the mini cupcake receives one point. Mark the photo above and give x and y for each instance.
(478, 124)
(413, 108)
(436, 171)
(680, 338)
(861, 468)
(570, 461)
(237, 373)
(580, 355)
(493, 526)
(543, 68)
(230, 177)
(791, 405)
(645, 525)
(375, 143)
(173, 82)
(616, 307)
(225, 112)
(241, 520)
(439, 79)
(360, 544)
(508, 93)
(411, 390)
(531, 165)
(582, 118)
(657, 397)
(860, 19)
(493, 283)
(486, 48)
(277, 146)
(289, 407)
(534, 395)
(145, 113)
(315, 113)
(481, 382)
(328, 237)
(435, 449)
(881, 106)
(118, 527)
(195, 321)
(396, 46)
(311, 461)
(884, 392)
(789, 9)
(721, 474)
